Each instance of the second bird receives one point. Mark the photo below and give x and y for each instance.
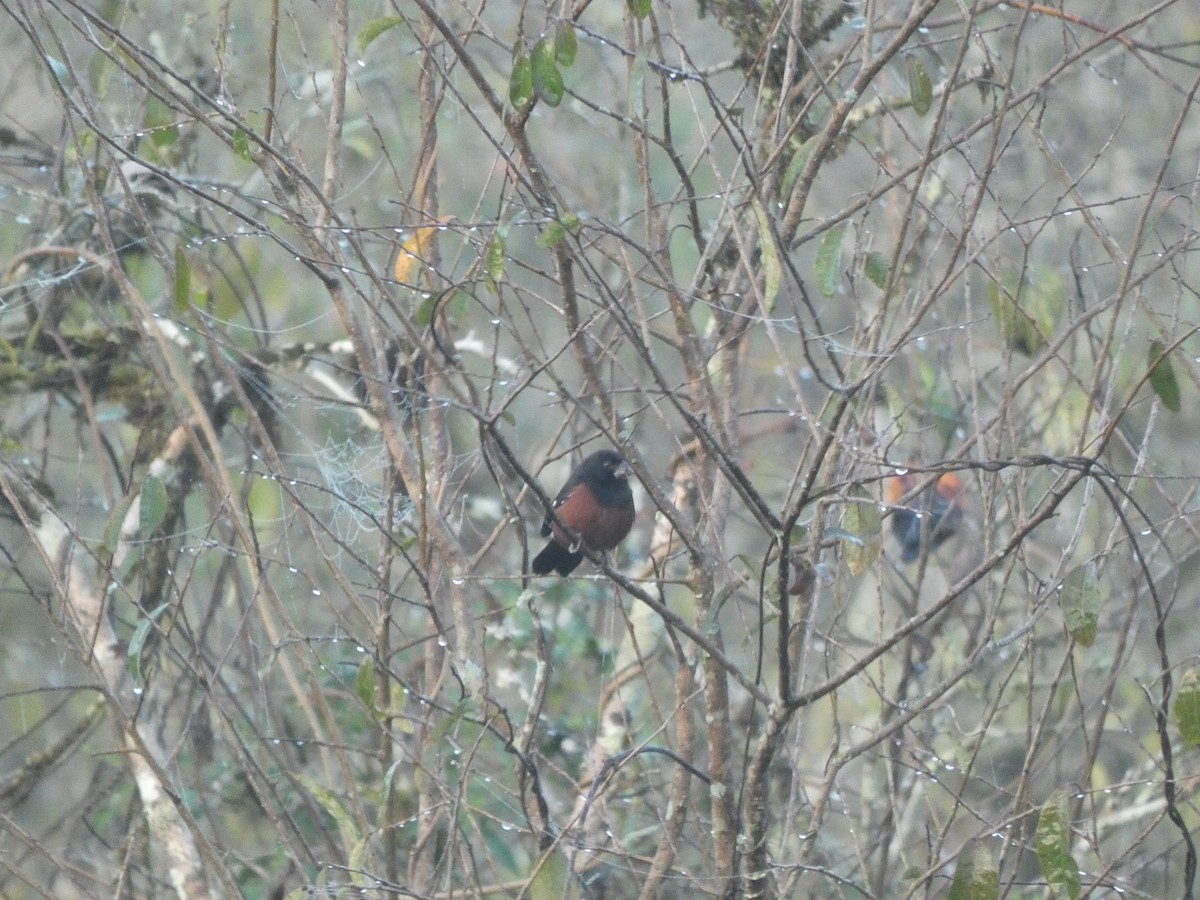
(595, 505)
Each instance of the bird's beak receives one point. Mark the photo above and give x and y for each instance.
(624, 470)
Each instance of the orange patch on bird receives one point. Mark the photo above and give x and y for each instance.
(928, 519)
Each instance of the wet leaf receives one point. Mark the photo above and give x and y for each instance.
(116, 521)
(552, 879)
(333, 805)
(974, 879)
(153, 509)
(551, 235)
(364, 684)
(1187, 706)
(796, 166)
(565, 45)
(241, 145)
(861, 518)
(181, 290)
(414, 252)
(640, 8)
(375, 29)
(772, 270)
(1080, 598)
(1017, 330)
(520, 82)
(547, 80)
(829, 259)
(494, 260)
(1054, 848)
(920, 88)
(160, 123)
(877, 269)
(1162, 375)
(133, 656)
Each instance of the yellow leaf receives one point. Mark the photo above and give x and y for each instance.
(414, 252)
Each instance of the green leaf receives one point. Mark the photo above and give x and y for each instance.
(877, 269)
(153, 509)
(116, 521)
(772, 270)
(547, 80)
(552, 880)
(796, 166)
(450, 306)
(133, 655)
(364, 684)
(334, 805)
(565, 45)
(181, 291)
(920, 88)
(1027, 309)
(974, 879)
(1162, 376)
(450, 720)
(241, 145)
(389, 777)
(829, 259)
(520, 83)
(457, 306)
(551, 235)
(160, 123)
(861, 518)
(1080, 598)
(502, 850)
(1054, 848)
(494, 260)
(1187, 706)
(640, 8)
(375, 29)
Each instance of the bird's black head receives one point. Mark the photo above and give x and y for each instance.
(604, 465)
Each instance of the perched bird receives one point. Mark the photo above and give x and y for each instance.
(930, 518)
(595, 505)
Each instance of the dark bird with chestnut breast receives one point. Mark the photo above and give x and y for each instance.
(595, 505)
(930, 518)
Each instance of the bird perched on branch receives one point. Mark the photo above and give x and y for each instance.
(929, 519)
(596, 508)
